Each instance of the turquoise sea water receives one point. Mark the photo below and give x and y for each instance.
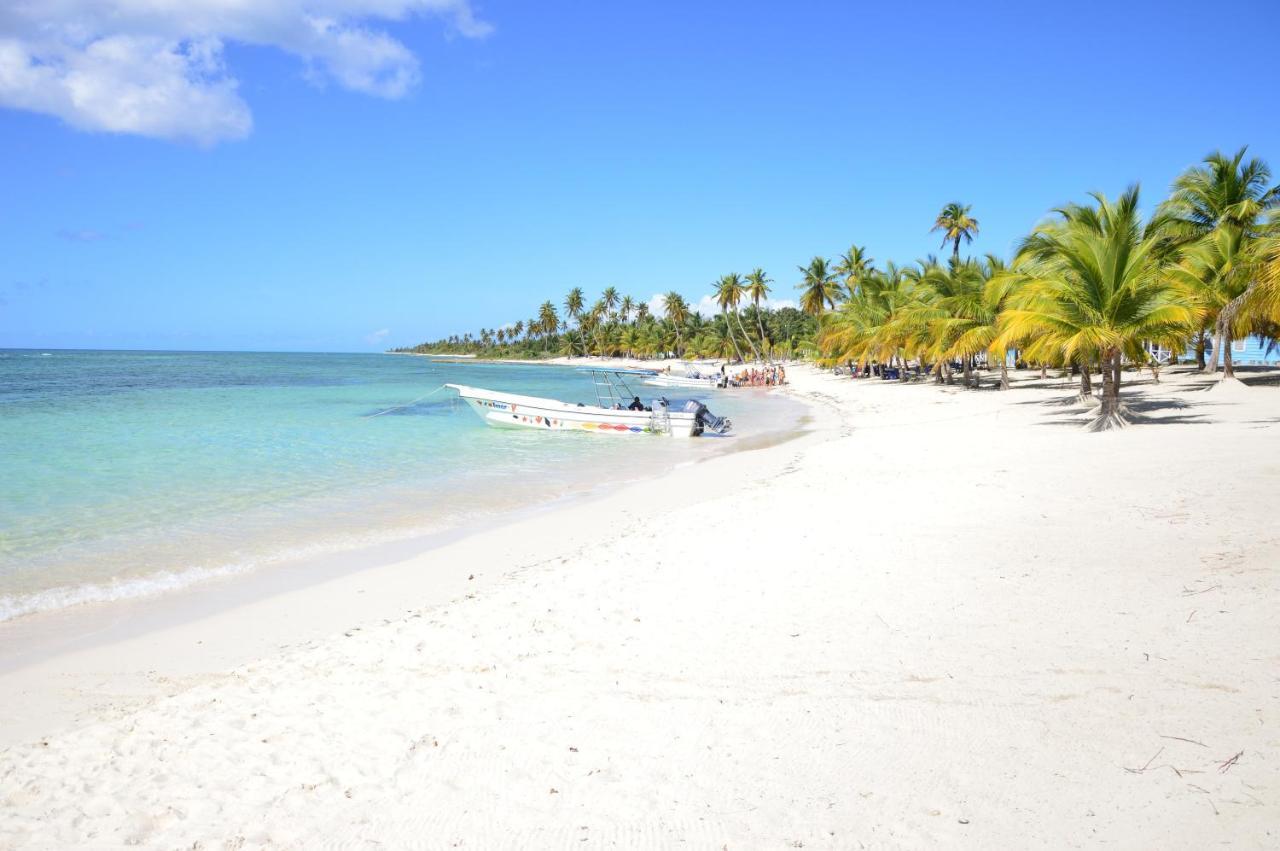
(129, 473)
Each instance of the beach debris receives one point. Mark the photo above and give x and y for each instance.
(472, 576)
(1226, 766)
(573, 749)
(1181, 739)
(555, 791)
(964, 821)
(1148, 765)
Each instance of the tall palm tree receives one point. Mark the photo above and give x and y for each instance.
(676, 310)
(609, 298)
(728, 291)
(729, 294)
(956, 224)
(758, 290)
(548, 322)
(818, 289)
(573, 303)
(853, 265)
(626, 308)
(1093, 283)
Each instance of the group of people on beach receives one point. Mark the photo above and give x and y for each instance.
(770, 376)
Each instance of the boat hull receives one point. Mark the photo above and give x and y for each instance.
(506, 410)
(681, 381)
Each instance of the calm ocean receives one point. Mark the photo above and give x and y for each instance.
(130, 473)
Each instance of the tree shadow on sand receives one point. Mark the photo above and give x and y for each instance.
(1138, 411)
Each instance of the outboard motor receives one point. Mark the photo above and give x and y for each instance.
(706, 421)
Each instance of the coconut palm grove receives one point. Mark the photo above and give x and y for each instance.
(1100, 287)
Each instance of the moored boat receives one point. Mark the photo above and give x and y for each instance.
(686, 418)
(685, 375)
(705, 382)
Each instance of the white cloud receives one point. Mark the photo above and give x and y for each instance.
(156, 67)
(375, 337)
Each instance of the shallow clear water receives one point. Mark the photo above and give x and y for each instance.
(127, 473)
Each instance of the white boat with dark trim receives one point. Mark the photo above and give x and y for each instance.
(614, 413)
(685, 375)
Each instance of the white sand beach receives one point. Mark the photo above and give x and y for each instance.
(938, 617)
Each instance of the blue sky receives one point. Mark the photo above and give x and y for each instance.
(477, 160)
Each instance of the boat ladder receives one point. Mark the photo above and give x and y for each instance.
(660, 418)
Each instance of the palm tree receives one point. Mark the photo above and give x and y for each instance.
(597, 319)
(1225, 190)
(818, 288)
(1216, 269)
(677, 313)
(854, 264)
(971, 327)
(1226, 193)
(956, 224)
(573, 304)
(631, 340)
(883, 323)
(1093, 285)
(757, 290)
(626, 308)
(729, 292)
(548, 322)
(609, 298)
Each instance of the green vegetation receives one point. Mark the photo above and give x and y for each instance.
(1094, 289)
(621, 326)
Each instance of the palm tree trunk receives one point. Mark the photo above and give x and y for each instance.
(1110, 413)
(1004, 373)
(1217, 349)
(1226, 317)
(1086, 380)
(729, 326)
(1200, 338)
(955, 251)
(754, 352)
(760, 325)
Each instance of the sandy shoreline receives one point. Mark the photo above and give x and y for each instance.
(939, 617)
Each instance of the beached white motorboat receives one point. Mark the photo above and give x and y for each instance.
(683, 418)
(667, 379)
(685, 375)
